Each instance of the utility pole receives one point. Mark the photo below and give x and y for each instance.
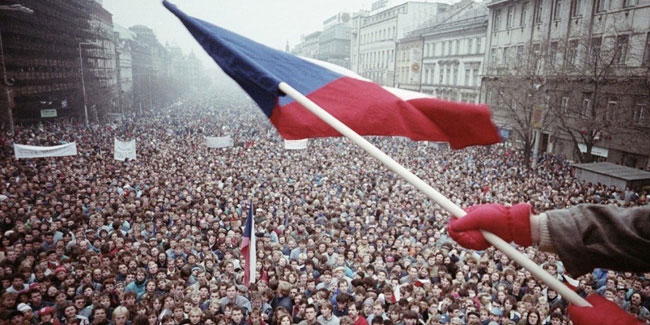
(83, 82)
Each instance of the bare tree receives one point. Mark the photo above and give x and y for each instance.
(518, 91)
(588, 79)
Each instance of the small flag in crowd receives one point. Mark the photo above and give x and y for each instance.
(364, 106)
(570, 282)
(248, 248)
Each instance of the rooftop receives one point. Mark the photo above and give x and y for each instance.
(614, 170)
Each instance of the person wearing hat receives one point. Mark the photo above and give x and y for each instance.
(339, 276)
(27, 311)
(495, 314)
(46, 315)
(60, 269)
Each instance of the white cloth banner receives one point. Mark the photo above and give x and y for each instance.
(25, 151)
(219, 142)
(124, 149)
(296, 144)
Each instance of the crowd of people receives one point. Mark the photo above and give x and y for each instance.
(88, 239)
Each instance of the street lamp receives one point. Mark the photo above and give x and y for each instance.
(536, 121)
(83, 83)
(8, 83)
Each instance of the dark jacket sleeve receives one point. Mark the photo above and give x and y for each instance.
(605, 236)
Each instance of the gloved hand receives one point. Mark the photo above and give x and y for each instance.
(602, 312)
(509, 223)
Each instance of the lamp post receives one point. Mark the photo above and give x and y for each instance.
(8, 83)
(83, 83)
(536, 122)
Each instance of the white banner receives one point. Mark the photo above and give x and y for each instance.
(124, 149)
(296, 144)
(596, 151)
(25, 151)
(219, 142)
(50, 112)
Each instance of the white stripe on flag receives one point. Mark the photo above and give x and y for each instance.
(403, 94)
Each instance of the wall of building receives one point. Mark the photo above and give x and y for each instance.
(334, 43)
(378, 33)
(41, 57)
(563, 33)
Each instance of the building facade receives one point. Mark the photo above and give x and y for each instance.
(142, 71)
(48, 49)
(376, 33)
(309, 45)
(453, 55)
(408, 64)
(124, 39)
(40, 57)
(334, 41)
(444, 58)
(100, 65)
(587, 62)
(146, 63)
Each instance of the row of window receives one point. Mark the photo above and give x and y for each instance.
(521, 10)
(615, 50)
(445, 48)
(99, 63)
(454, 47)
(377, 76)
(605, 5)
(376, 59)
(517, 15)
(447, 75)
(611, 110)
(454, 95)
(379, 35)
(385, 15)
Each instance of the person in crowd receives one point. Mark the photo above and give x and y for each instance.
(89, 238)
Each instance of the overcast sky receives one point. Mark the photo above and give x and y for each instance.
(271, 22)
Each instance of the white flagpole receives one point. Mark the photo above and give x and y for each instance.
(252, 252)
(429, 191)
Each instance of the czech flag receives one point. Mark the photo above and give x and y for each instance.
(364, 106)
(248, 248)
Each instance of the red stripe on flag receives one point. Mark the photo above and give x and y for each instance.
(369, 109)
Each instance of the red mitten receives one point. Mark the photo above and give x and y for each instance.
(509, 223)
(602, 312)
